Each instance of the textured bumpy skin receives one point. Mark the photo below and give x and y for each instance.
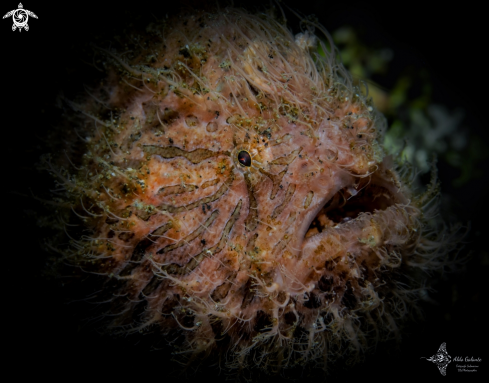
(233, 189)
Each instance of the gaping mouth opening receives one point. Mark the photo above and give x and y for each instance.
(348, 203)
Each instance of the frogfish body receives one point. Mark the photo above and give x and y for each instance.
(232, 187)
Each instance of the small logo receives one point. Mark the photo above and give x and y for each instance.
(441, 359)
(20, 17)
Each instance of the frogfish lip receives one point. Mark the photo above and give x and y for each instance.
(341, 180)
(343, 203)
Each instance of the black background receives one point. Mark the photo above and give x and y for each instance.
(42, 336)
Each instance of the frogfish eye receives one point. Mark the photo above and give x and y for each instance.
(244, 158)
